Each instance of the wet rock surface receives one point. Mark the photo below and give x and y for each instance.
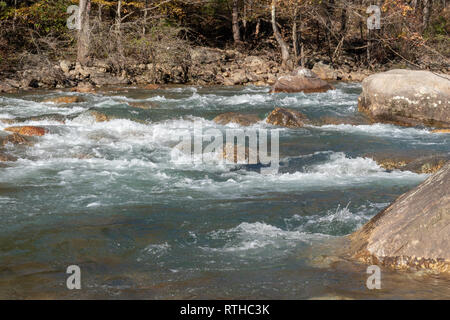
(239, 118)
(287, 118)
(407, 97)
(413, 232)
(64, 100)
(418, 164)
(28, 130)
(301, 80)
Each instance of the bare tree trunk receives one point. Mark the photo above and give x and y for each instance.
(295, 36)
(344, 20)
(100, 12)
(119, 28)
(295, 40)
(417, 5)
(235, 22)
(284, 47)
(302, 55)
(84, 32)
(15, 15)
(145, 16)
(118, 16)
(360, 23)
(427, 5)
(258, 26)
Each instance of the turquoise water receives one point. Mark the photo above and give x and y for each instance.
(118, 199)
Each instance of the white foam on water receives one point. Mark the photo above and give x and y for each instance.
(378, 129)
(338, 171)
(154, 251)
(259, 235)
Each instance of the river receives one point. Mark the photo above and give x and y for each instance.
(117, 199)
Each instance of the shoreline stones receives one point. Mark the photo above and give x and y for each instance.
(84, 87)
(413, 232)
(301, 80)
(407, 97)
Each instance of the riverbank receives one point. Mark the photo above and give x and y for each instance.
(203, 66)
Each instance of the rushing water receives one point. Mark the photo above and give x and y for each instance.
(114, 198)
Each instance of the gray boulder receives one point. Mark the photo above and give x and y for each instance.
(407, 97)
(413, 232)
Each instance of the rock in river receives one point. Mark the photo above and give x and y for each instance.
(239, 118)
(301, 80)
(287, 118)
(4, 157)
(413, 232)
(14, 138)
(65, 100)
(28, 130)
(407, 97)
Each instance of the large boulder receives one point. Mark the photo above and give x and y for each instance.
(301, 80)
(407, 97)
(413, 232)
(287, 118)
(239, 118)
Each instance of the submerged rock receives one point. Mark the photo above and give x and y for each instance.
(239, 154)
(441, 131)
(413, 232)
(9, 121)
(64, 100)
(424, 164)
(287, 118)
(99, 117)
(407, 97)
(51, 117)
(4, 157)
(301, 80)
(28, 130)
(239, 118)
(14, 138)
(143, 105)
(152, 86)
(354, 121)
